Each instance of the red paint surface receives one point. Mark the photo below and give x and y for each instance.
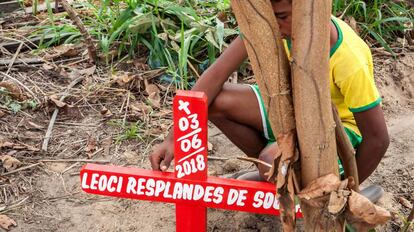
(190, 153)
(190, 173)
(252, 188)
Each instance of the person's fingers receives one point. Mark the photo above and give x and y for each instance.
(155, 159)
(165, 163)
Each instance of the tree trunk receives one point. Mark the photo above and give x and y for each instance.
(262, 39)
(312, 101)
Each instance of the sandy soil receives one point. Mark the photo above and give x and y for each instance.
(51, 199)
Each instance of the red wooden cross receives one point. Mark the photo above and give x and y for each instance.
(188, 187)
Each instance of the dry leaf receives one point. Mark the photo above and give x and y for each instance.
(140, 107)
(337, 201)
(406, 203)
(363, 214)
(6, 222)
(320, 187)
(6, 144)
(13, 90)
(53, 99)
(123, 78)
(64, 50)
(91, 146)
(106, 143)
(153, 94)
(32, 125)
(88, 71)
(106, 113)
(47, 66)
(140, 63)
(10, 163)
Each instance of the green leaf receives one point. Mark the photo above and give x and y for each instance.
(15, 107)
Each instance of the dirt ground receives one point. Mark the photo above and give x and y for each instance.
(47, 196)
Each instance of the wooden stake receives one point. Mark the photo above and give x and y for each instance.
(345, 150)
(263, 42)
(76, 20)
(312, 100)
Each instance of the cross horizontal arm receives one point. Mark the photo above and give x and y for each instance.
(141, 184)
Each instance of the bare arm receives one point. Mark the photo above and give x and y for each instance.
(211, 83)
(375, 140)
(217, 74)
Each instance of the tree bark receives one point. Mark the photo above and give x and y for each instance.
(345, 150)
(312, 101)
(262, 39)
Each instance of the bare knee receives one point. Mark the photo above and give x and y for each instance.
(221, 105)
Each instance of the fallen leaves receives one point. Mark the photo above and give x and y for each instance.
(320, 187)
(363, 214)
(4, 143)
(342, 202)
(91, 146)
(153, 94)
(10, 163)
(64, 50)
(106, 113)
(406, 203)
(13, 90)
(58, 103)
(6, 222)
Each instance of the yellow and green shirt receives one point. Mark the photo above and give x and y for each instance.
(351, 74)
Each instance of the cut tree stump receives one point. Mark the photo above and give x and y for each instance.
(312, 101)
(263, 42)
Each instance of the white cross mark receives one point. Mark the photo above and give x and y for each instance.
(184, 106)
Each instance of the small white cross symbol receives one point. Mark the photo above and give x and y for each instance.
(184, 106)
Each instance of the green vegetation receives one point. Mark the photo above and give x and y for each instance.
(383, 21)
(130, 130)
(187, 36)
(11, 103)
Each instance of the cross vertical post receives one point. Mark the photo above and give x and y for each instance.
(190, 153)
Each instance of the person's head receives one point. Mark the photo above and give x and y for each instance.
(283, 13)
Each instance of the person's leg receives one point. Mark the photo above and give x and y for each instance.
(236, 112)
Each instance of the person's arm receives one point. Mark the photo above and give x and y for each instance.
(375, 140)
(213, 79)
(211, 83)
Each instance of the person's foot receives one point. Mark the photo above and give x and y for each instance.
(373, 192)
(252, 176)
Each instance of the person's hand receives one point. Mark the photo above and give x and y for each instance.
(162, 155)
(267, 155)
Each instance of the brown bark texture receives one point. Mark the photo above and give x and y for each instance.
(262, 39)
(312, 101)
(345, 150)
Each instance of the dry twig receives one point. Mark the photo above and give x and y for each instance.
(254, 160)
(14, 57)
(20, 169)
(76, 20)
(76, 160)
(55, 112)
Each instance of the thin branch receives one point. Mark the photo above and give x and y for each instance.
(254, 160)
(56, 111)
(14, 57)
(76, 20)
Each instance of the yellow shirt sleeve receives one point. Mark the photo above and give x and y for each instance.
(359, 90)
